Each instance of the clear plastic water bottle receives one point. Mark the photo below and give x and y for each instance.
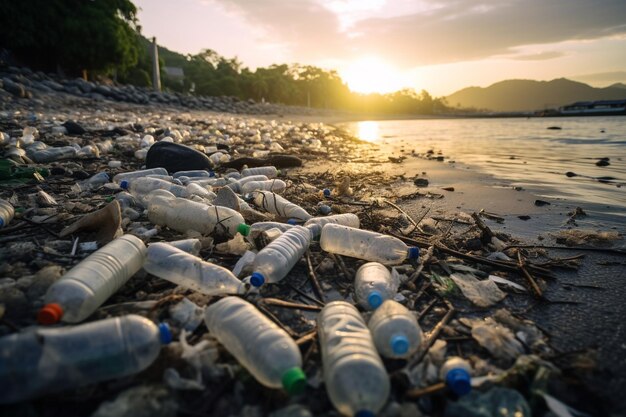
(183, 215)
(6, 213)
(89, 284)
(356, 380)
(48, 360)
(94, 182)
(275, 204)
(196, 173)
(274, 261)
(263, 348)
(276, 186)
(52, 154)
(395, 330)
(345, 219)
(456, 372)
(373, 285)
(236, 185)
(192, 246)
(137, 174)
(268, 171)
(365, 244)
(258, 227)
(142, 186)
(184, 269)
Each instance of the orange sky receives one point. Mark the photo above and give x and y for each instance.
(379, 45)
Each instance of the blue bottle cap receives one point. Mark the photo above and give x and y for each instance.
(292, 222)
(1, 222)
(211, 174)
(257, 279)
(324, 209)
(375, 299)
(326, 192)
(124, 184)
(414, 252)
(459, 381)
(364, 413)
(399, 344)
(166, 334)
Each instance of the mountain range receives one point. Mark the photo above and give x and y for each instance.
(529, 95)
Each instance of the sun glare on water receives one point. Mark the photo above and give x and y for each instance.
(372, 75)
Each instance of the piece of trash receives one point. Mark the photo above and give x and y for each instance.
(141, 401)
(504, 281)
(482, 293)
(105, 224)
(497, 402)
(187, 314)
(575, 237)
(496, 338)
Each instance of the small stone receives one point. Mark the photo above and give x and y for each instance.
(74, 128)
(540, 203)
(421, 182)
(603, 162)
(524, 217)
(448, 189)
(473, 244)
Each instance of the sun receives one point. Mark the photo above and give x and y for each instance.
(372, 75)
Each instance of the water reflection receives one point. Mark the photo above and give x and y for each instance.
(367, 131)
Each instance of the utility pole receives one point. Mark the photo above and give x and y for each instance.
(156, 75)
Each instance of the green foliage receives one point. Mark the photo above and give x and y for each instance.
(98, 35)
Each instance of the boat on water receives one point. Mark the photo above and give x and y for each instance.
(595, 108)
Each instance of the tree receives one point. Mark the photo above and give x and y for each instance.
(72, 35)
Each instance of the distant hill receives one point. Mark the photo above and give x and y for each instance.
(528, 95)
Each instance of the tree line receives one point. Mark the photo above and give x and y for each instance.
(102, 39)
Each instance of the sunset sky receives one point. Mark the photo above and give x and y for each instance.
(385, 45)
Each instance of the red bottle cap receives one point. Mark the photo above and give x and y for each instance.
(50, 314)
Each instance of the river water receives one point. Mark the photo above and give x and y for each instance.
(524, 152)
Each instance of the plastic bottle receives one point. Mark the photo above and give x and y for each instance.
(276, 186)
(196, 173)
(345, 219)
(355, 377)
(192, 246)
(280, 206)
(144, 185)
(184, 215)
(137, 174)
(395, 330)
(48, 360)
(262, 347)
(177, 266)
(236, 185)
(259, 227)
(90, 283)
(456, 372)
(365, 244)
(52, 154)
(94, 182)
(6, 213)
(373, 285)
(268, 171)
(274, 261)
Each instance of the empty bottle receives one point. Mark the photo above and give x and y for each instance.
(172, 264)
(365, 244)
(280, 206)
(276, 186)
(48, 360)
(6, 213)
(236, 185)
(373, 285)
(183, 215)
(90, 283)
(94, 182)
(192, 246)
(274, 261)
(142, 186)
(395, 330)
(268, 171)
(196, 173)
(263, 348)
(355, 377)
(456, 372)
(259, 227)
(52, 154)
(137, 174)
(345, 219)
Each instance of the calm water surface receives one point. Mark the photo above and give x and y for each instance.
(524, 152)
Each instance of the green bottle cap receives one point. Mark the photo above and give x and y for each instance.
(244, 229)
(294, 381)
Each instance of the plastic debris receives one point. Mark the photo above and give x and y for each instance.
(482, 293)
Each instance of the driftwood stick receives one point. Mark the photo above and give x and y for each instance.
(305, 295)
(420, 392)
(275, 319)
(413, 222)
(307, 337)
(482, 226)
(289, 304)
(317, 288)
(533, 284)
(433, 335)
(605, 250)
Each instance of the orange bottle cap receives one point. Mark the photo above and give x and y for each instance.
(50, 314)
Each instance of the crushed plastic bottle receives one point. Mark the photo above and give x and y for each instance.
(268, 171)
(50, 154)
(275, 204)
(172, 264)
(191, 246)
(355, 377)
(138, 174)
(196, 173)
(497, 402)
(94, 182)
(142, 186)
(345, 219)
(6, 213)
(48, 360)
(365, 244)
(262, 347)
(275, 186)
(456, 373)
(85, 287)
(395, 330)
(258, 227)
(274, 261)
(183, 215)
(373, 285)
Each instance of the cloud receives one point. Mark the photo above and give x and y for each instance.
(539, 56)
(601, 78)
(438, 31)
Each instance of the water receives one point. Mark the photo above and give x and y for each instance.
(524, 152)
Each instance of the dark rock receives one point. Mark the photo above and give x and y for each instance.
(603, 162)
(58, 171)
(571, 174)
(14, 88)
(524, 217)
(473, 244)
(554, 128)
(81, 175)
(448, 188)
(175, 157)
(540, 203)
(74, 128)
(421, 182)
